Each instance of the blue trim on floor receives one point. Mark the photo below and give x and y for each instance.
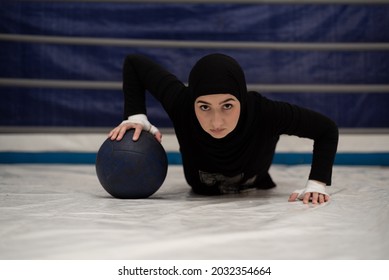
(174, 158)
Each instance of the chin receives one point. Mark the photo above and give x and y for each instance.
(218, 135)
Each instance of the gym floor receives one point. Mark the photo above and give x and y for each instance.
(61, 212)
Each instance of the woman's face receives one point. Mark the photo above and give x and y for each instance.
(218, 114)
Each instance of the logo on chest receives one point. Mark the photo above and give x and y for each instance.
(225, 184)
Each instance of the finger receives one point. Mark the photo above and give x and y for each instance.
(306, 198)
(110, 134)
(326, 198)
(138, 131)
(321, 198)
(113, 134)
(158, 136)
(121, 132)
(293, 197)
(315, 197)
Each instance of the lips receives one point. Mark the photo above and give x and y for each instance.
(218, 130)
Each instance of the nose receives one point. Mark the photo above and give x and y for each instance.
(217, 120)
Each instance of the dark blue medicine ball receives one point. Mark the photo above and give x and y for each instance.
(128, 169)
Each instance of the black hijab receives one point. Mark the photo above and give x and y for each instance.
(219, 73)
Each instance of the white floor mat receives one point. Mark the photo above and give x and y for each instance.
(61, 212)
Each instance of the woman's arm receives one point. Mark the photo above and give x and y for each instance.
(294, 120)
(140, 74)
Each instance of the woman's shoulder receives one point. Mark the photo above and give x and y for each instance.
(260, 101)
(269, 108)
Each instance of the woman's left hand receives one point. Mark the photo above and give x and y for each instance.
(314, 197)
(314, 192)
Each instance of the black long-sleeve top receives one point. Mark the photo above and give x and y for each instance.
(275, 118)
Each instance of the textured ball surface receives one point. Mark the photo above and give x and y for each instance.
(128, 169)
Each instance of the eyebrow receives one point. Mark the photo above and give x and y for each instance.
(224, 101)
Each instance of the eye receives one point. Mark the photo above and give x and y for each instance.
(227, 106)
(204, 107)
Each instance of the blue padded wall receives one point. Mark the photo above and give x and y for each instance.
(53, 107)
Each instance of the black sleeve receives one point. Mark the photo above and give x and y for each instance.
(294, 120)
(140, 74)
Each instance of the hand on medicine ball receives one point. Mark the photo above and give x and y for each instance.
(118, 132)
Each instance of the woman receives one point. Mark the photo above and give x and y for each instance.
(227, 135)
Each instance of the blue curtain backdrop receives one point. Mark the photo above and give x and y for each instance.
(52, 107)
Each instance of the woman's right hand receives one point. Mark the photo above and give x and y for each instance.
(118, 132)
